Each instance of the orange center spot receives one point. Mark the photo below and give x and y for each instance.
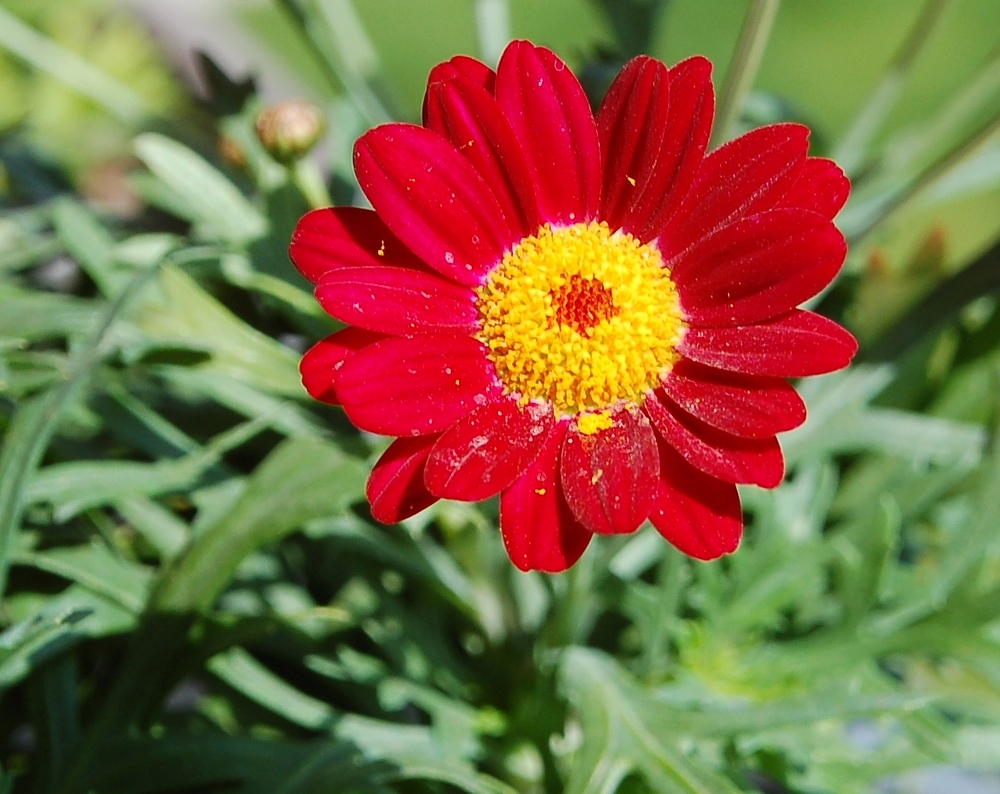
(582, 303)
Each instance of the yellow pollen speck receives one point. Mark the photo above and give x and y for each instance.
(540, 491)
(592, 423)
(631, 181)
(581, 318)
(381, 249)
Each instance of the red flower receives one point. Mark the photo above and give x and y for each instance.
(591, 318)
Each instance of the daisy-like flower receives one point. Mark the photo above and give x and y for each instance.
(588, 316)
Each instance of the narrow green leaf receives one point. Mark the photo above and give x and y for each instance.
(35, 423)
(96, 568)
(72, 70)
(281, 495)
(52, 703)
(246, 675)
(850, 152)
(72, 616)
(164, 531)
(90, 244)
(618, 738)
(212, 762)
(34, 315)
(415, 753)
(213, 202)
(74, 487)
(186, 316)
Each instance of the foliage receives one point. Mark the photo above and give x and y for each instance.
(196, 599)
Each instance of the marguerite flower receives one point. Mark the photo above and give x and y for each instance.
(589, 317)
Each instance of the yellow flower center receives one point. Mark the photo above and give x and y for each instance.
(581, 318)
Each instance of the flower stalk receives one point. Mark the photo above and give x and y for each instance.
(742, 71)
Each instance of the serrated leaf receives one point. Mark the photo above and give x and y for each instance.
(415, 753)
(618, 738)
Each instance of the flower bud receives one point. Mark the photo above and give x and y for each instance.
(288, 130)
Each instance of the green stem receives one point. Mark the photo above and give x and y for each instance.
(980, 278)
(851, 150)
(313, 25)
(492, 28)
(309, 180)
(911, 190)
(743, 68)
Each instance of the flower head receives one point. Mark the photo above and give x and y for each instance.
(591, 317)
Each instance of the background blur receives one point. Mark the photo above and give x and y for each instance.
(194, 596)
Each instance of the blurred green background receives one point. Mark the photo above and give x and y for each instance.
(194, 595)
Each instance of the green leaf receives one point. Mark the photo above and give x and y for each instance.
(90, 244)
(212, 202)
(248, 676)
(72, 616)
(416, 754)
(164, 531)
(840, 421)
(74, 487)
(35, 423)
(618, 737)
(43, 316)
(455, 725)
(302, 479)
(96, 568)
(283, 416)
(186, 316)
(71, 69)
(210, 762)
(52, 704)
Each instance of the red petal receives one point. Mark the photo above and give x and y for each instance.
(464, 67)
(631, 124)
(539, 530)
(416, 385)
(744, 405)
(728, 457)
(689, 126)
(822, 187)
(397, 300)
(794, 346)
(468, 116)
(609, 478)
(758, 268)
(334, 237)
(486, 451)
(741, 178)
(396, 486)
(550, 115)
(322, 362)
(433, 199)
(698, 514)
